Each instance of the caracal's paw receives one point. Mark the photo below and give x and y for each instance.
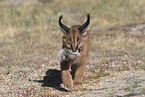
(68, 84)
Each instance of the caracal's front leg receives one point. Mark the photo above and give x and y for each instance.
(65, 74)
(78, 76)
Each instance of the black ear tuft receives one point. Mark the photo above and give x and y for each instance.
(64, 28)
(83, 27)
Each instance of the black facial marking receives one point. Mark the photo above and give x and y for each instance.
(73, 34)
(77, 39)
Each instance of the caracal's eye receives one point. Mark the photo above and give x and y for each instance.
(69, 43)
(79, 43)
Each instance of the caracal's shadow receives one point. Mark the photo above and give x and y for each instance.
(52, 79)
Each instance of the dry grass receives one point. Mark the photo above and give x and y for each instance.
(30, 40)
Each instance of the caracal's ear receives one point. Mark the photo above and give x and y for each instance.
(63, 27)
(84, 26)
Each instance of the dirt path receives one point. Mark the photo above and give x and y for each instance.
(122, 84)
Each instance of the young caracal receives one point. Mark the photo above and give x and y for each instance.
(74, 54)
